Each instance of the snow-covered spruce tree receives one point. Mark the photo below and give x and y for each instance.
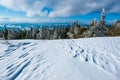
(76, 29)
(13, 34)
(114, 30)
(51, 33)
(63, 33)
(19, 34)
(34, 33)
(1, 33)
(22, 34)
(48, 33)
(28, 34)
(70, 33)
(43, 33)
(55, 35)
(9, 35)
(98, 30)
(25, 32)
(39, 34)
(5, 33)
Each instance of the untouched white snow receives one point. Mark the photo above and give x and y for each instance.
(77, 59)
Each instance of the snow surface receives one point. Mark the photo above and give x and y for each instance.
(76, 59)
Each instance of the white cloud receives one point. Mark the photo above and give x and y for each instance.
(60, 8)
(77, 7)
(30, 7)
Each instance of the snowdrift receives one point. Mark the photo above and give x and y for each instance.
(75, 59)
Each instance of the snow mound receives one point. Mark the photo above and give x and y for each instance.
(76, 59)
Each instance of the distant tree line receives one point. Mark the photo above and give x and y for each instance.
(33, 33)
(74, 31)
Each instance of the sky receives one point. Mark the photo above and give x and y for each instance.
(57, 10)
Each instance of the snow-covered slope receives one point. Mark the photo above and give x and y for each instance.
(79, 59)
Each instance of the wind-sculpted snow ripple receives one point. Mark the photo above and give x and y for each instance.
(76, 59)
(96, 54)
(19, 71)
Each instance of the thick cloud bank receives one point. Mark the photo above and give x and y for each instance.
(60, 8)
